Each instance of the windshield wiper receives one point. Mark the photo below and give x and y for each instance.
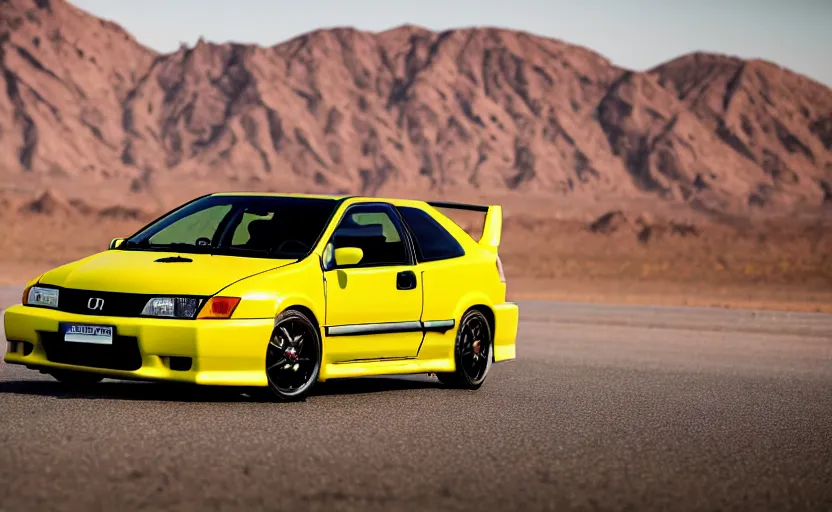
(173, 246)
(193, 248)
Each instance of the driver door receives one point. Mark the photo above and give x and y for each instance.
(373, 307)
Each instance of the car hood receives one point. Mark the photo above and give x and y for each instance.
(141, 272)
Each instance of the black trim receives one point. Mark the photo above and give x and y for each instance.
(407, 232)
(376, 360)
(459, 206)
(124, 354)
(440, 326)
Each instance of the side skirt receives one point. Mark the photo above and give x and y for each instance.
(365, 368)
(440, 326)
(392, 365)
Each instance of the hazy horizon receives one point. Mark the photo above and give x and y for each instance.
(637, 35)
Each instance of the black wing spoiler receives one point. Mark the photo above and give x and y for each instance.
(492, 227)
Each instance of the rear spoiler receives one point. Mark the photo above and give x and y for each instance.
(492, 227)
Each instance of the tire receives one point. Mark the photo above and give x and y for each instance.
(74, 378)
(293, 356)
(472, 360)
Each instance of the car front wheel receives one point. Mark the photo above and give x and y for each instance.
(293, 357)
(472, 353)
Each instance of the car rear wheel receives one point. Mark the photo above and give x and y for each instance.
(73, 378)
(293, 357)
(472, 354)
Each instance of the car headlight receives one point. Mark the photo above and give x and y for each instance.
(172, 307)
(39, 296)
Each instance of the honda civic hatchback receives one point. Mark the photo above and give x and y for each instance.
(277, 291)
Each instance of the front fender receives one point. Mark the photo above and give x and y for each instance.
(267, 295)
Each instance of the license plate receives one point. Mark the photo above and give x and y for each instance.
(97, 334)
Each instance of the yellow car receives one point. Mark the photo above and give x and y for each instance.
(273, 290)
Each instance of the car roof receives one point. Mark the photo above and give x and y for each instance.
(351, 198)
(279, 194)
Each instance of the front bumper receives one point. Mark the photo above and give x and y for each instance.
(213, 352)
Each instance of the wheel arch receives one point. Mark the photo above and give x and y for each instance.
(307, 311)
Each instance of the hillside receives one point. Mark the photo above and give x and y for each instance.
(91, 112)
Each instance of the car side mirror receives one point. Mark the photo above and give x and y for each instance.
(115, 243)
(345, 256)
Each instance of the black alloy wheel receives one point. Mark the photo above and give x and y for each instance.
(472, 354)
(293, 357)
(75, 378)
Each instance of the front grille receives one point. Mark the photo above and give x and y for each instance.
(123, 354)
(86, 302)
(94, 303)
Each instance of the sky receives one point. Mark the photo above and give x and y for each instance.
(636, 34)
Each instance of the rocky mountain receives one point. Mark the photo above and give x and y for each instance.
(90, 111)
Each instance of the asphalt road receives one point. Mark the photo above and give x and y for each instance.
(611, 408)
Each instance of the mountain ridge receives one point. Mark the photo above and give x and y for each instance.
(465, 112)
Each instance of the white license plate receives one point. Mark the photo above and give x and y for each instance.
(97, 334)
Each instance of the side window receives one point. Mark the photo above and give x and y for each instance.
(433, 242)
(202, 224)
(388, 229)
(376, 231)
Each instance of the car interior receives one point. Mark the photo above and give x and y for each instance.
(371, 240)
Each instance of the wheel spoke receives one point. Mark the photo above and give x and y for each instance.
(285, 331)
(281, 361)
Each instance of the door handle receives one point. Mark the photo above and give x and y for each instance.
(405, 280)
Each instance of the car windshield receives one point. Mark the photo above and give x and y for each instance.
(256, 226)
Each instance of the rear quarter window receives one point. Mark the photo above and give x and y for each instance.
(433, 242)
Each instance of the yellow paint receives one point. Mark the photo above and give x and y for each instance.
(136, 272)
(492, 229)
(345, 256)
(226, 352)
(370, 296)
(232, 352)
